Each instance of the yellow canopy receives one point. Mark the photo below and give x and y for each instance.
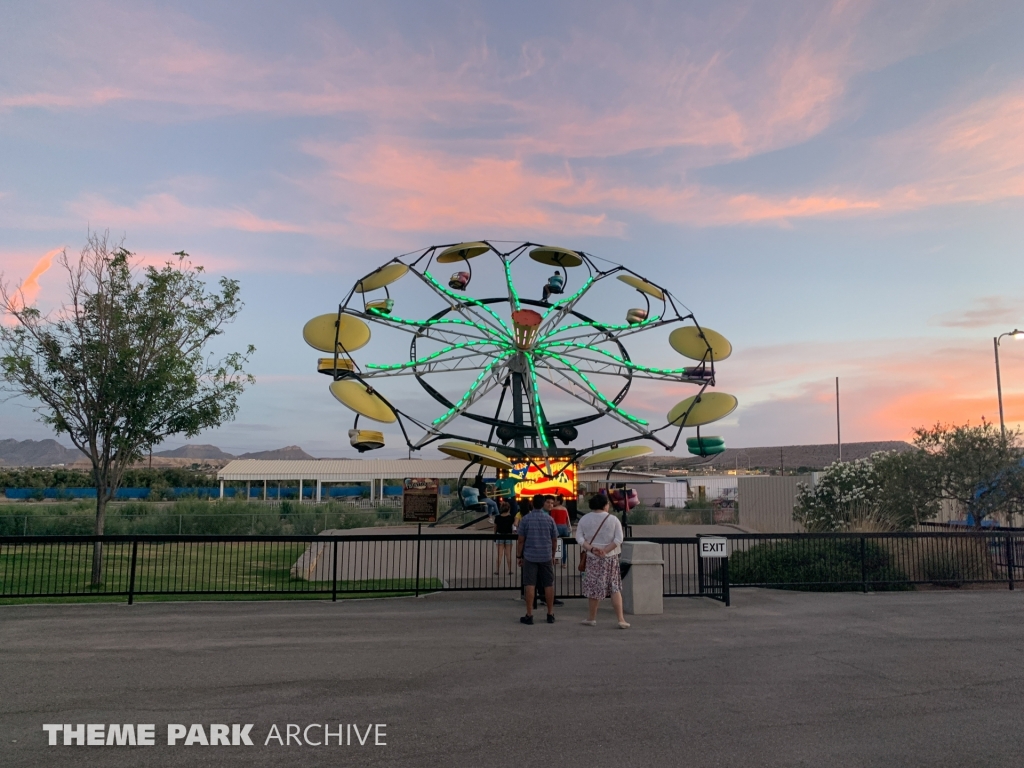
(381, 277)
(702, 409)
(354, 394)
(642, 285)
(461, 251)
(353, 333)
(616, 454)
(693, 342)
(473, 452)
(555, 256)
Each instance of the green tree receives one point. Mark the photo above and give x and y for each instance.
(976, 467)
(124, 362)
(888, 491)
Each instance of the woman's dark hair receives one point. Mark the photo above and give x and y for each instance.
(504, 508)
(598, 501)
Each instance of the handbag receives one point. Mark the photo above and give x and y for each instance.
(583, 552)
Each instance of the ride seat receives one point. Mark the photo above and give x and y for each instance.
(459, 281)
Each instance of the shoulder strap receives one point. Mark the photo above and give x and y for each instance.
(606, 516)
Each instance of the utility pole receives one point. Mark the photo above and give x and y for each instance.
(839, 435)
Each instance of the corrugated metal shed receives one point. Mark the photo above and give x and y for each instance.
(766, 503)
(715, 486)
(342, 471)
(665, 495)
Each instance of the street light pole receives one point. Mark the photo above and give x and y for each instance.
(999, 384)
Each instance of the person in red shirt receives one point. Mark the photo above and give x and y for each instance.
(560, 514)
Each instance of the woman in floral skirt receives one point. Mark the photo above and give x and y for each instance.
(599, 533)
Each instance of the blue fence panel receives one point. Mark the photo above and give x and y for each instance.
(349, 491)
(72, 493)
(392, 490)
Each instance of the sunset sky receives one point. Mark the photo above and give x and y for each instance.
(838, 188)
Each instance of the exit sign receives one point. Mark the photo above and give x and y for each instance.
(713, 546)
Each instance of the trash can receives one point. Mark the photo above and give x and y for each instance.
(643, 580)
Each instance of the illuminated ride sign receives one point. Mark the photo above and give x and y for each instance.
(533, 481)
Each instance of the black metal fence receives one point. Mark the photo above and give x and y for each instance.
(875, 561)
(163, 567)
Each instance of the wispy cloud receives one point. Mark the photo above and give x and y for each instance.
(25, 293)
(166, 211)
(985, 311)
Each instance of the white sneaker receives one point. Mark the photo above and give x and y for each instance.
(589, 623)
(623, 625)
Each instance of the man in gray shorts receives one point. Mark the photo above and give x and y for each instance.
(535, 553)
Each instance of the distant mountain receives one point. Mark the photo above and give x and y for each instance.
(773, 457)
(36, 453)
(288, 452)
(195, 452)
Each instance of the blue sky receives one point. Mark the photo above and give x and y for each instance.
(835, 187)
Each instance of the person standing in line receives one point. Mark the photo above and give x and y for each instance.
(599, 534)
(503, 533)
(560, 514)
(535, 553)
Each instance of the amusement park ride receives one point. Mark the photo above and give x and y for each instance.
(523, 358)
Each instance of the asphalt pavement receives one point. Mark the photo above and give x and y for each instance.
(777, 679)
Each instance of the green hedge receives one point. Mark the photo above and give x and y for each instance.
(191, 516)
(815, 565)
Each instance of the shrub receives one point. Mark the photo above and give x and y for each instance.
(944, 570)
(815, 565)
(640, 516)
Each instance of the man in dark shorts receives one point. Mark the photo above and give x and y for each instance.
(535, 554)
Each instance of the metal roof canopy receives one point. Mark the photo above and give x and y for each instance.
(618, 476)
(343, 470)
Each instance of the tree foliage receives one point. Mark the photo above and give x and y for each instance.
(978, 468)
(124, 362)
(888, 491)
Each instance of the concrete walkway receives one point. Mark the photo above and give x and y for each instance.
(779, 679)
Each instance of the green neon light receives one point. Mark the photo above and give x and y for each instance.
(428, 358)
(600, 326)
(440, 321)
(601, 397)
(472, 388)
(627, 363)
(570, 299)
(467, 300)
(536, 401)
(512, 287)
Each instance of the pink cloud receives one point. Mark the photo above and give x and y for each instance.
(389, 186)
(166, 211)
(398, 186)
(972, 154)
(888, 388)
(27, 291)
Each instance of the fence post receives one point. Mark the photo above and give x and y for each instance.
(131, 575)
(863, 565)
(700, 570)
(725, 580)
(419, 535)
(1009, 558)
(334, 573)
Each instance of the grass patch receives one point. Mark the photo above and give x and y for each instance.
(253, 570)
